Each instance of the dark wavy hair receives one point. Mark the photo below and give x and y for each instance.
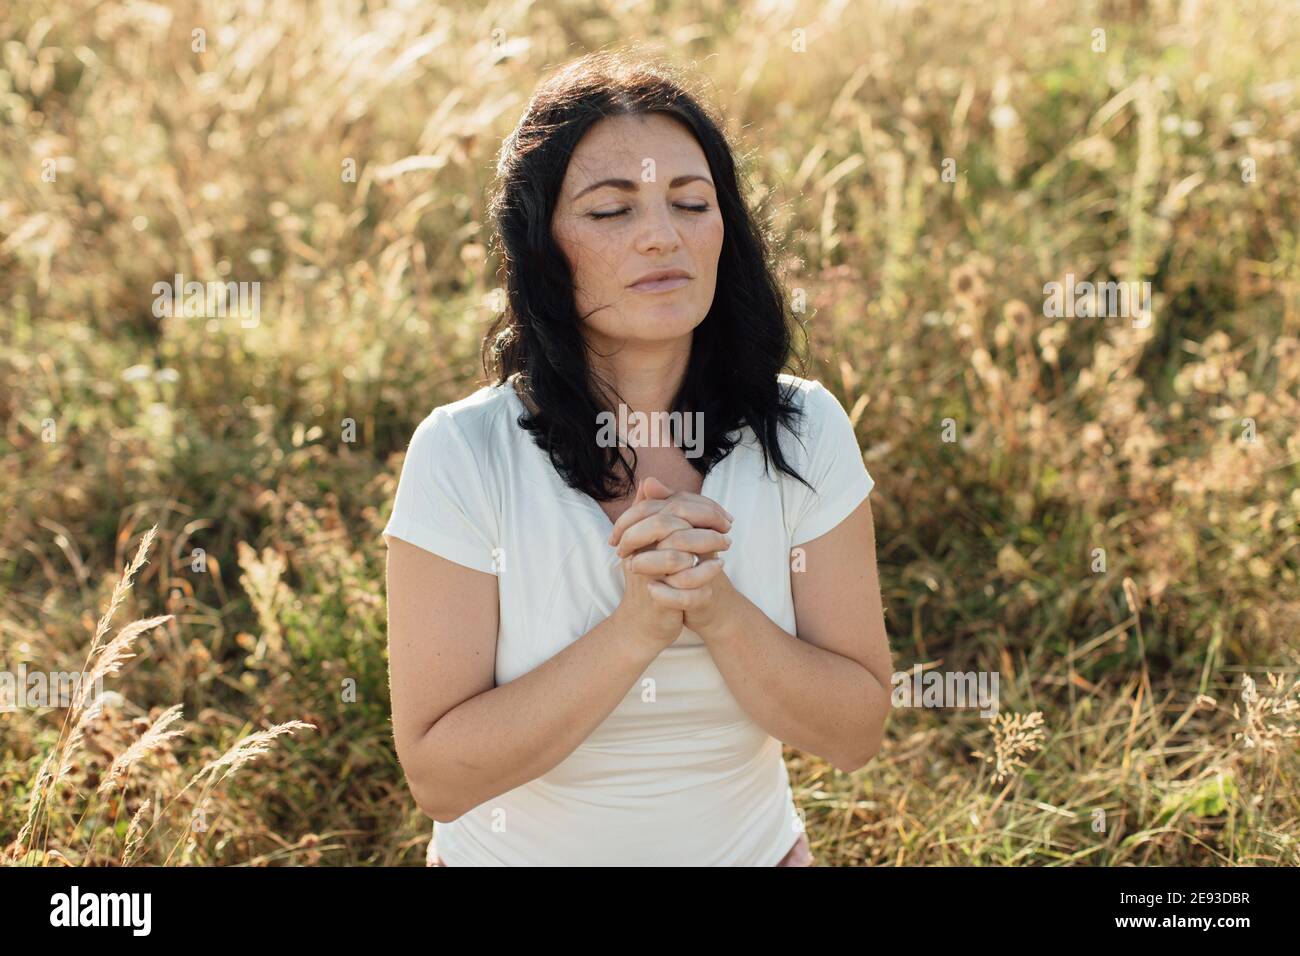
(737, 351)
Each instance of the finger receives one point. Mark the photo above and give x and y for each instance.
(654, 488)
(656, 563)
(645, 533)
(697, 499)
(692, 496)
(678, 599)
(645, 491)
(700, 513)
(699, 541)
(639, 511)
(696, 577)
(651, 487)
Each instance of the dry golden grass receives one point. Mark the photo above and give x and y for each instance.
(31, 847)
(1114, 529)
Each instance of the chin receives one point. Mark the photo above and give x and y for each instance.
(662, 329)
(668, 325)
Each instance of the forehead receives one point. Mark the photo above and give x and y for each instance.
(619, 146)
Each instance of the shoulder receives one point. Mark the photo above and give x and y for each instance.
(468, 427)
(803, 390)
(818, 406)
(829, 457)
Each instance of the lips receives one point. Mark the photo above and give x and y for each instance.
(661, 280)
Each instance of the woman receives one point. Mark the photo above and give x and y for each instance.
(597, 644)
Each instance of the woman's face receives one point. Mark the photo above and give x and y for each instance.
(615, 227)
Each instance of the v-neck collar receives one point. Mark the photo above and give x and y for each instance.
(584, 500)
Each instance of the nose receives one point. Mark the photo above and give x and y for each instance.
(657, 233)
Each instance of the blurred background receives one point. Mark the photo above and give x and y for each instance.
(1102, 510)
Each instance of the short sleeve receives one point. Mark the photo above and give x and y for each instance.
(832, 464)
(442, 503)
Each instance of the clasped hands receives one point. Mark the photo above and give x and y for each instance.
(659, 537)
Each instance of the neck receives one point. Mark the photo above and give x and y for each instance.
(646, 375)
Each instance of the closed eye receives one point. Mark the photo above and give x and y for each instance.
(619, 212)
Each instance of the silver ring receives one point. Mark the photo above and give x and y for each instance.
(697, 561)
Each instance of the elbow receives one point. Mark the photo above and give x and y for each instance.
(434, 799)
(866, 743)
(863, 755)
(854, 763)
(436, 806)
(442, 816)
(439, 780)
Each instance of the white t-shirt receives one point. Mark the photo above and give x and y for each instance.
(677, 774)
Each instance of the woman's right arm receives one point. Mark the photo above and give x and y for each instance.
(460, 739)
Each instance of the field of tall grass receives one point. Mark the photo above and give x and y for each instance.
(1102, 510)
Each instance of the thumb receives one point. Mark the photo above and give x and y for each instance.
(645, 489)
(654, 488)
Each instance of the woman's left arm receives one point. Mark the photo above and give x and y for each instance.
(828, 691)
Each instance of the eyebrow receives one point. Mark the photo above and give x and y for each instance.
(626, 185)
